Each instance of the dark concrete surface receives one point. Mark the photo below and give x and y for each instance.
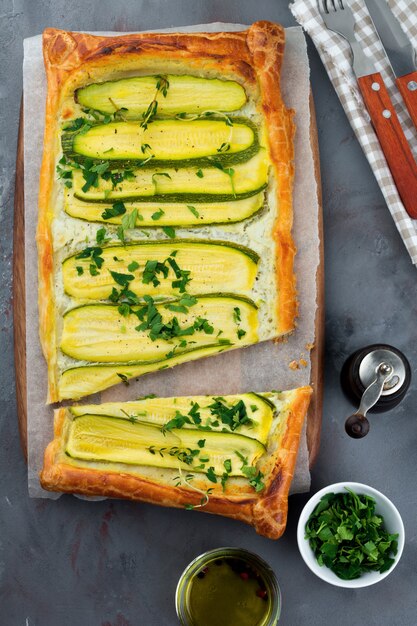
(74, 563)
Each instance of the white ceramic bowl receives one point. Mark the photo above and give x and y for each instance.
(384, 507)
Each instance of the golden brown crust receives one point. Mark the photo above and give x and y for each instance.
(266, 511)
(252, 57)
(266, 42)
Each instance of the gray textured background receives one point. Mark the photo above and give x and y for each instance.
(116, 564)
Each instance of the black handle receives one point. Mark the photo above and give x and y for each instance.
(357, 426)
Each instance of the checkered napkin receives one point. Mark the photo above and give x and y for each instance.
(336, 56)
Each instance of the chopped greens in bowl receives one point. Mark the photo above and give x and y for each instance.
(350, 535)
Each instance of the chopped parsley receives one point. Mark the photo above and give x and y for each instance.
(93, 254)
(211, 475)
(169, 231)
(178, 421)
(349, 537)
(202, 324)
(121, 279)
(193, 210)
(154, 267)
(227, 464)
(128, 223)
(101, 236)
(183, 304)
(157, 215)
(118, 208)
(151, 320)
(232, 416)
(237, 319)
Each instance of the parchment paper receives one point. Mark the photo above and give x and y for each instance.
(262, 367)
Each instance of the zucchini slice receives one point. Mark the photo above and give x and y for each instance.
(186, 94)
(164, 142)
(169, 214)
(77, 382)
(111, 439)
(213, 266)
(99, 333)
(159, 411)
(181, 184)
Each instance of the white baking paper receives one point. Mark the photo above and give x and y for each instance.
(257, 368)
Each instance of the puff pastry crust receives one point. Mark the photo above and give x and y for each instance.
(266, 511)
(253, 58)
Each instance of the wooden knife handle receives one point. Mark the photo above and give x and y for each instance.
(408, 88)
(392, 139)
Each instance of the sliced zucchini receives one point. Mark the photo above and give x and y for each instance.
(164, 142)
(181, 185)
(169, 214)
(214, 266)
(77, 382)
(99, 333)
(120, 440)
(185, 94)
(159, 411)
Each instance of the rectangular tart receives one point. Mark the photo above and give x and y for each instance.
(231, 455)
(165, 204)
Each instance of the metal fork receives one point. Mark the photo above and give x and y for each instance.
(338, 17)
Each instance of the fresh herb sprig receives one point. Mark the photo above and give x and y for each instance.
(180, 481)
(348, 536)
(162, 86)
(204, 114)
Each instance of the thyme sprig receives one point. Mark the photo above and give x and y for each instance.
(205, 114)
(162, 86)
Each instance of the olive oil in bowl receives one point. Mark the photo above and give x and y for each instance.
(228, 587)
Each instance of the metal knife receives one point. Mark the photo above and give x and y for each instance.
(399, 50)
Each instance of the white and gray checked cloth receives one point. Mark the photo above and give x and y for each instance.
(336, 56)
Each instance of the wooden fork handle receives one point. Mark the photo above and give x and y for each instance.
(408, 88)
(392, 139)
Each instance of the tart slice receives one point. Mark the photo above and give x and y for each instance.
(165, 204)
(230, 455)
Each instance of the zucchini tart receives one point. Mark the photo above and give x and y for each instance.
(165, 210)
(229, 455)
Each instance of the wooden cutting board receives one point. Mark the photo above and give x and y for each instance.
(316, 355)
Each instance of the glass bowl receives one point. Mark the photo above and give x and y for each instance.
(254, 562)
